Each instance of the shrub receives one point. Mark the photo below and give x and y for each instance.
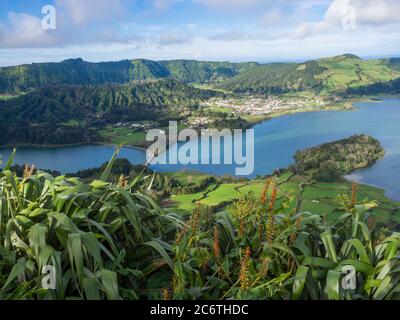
(105, 241)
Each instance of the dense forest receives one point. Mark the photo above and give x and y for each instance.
(46, 134)
(70, 113)
(277, 79)
(111, 103)
(338, 74)
(78, 72)
(389, 87)
(330, 161)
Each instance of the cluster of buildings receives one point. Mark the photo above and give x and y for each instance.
(133, 125)
(260, 107)
(197, 122)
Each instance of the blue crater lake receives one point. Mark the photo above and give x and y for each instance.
(70, 159)
(276, 141)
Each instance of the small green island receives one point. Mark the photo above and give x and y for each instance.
(331, 161)
(312, 183)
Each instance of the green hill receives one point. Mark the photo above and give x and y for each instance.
(331, 75)
(78, 72)
(201, 72)
(393, 63)
(277, 78)
(33, 117)
(340, 74)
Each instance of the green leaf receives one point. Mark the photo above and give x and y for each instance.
(362, 267)
(329, 244)
(17, 272)
(332, 285)
(299, 282)
(362, 253)
(156, 245)
(10, 160)
(105, 175)
(91, 287)
(76, 255)
(319, 262)
(110, 284)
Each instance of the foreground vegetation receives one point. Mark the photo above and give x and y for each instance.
(318, 197)
(105, 240)
(111, 240)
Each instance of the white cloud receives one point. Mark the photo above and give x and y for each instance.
(162, 5)
(24, 30)
(82, 12)
(271, 18)
(229, 35)
(230, 4)
(377, 11)
(261, 30)
(74, 25)
(174, 38)
(338, 13)
(345, 15)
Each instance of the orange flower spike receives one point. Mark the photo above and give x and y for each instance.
(244, 269)
(263, 198)
(273, 198)
(166, 294)
(28, 171)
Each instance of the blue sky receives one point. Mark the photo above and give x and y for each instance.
(233, 30)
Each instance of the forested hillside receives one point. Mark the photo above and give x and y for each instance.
(60, 104)
(277, 79)
(69, 112)
(76, 71)
(330, 161)
(202, 72)
(393, 63)
(337, 75)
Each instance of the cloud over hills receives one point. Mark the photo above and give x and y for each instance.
(211, 29)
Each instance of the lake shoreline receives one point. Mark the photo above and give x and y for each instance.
(345, 106)
(55, 146)
(363, 183)
(315, 128)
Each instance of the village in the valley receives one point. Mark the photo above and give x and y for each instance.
(245, 107)
(265, 106)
